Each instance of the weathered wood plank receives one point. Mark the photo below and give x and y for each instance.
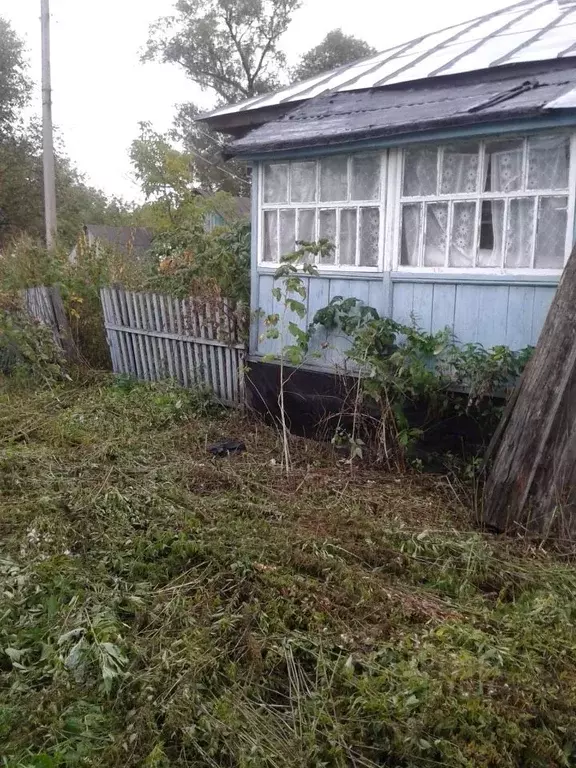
(519, 317)
(443, 307)
(152, 336)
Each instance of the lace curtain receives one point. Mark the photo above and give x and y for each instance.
(548, 162)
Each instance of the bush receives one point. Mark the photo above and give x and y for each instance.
(27, 348)
(191, 261)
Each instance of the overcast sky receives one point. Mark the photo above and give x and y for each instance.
(102, 91)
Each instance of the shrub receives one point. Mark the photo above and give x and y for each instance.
(27, 348)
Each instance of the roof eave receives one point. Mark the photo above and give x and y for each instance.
(419, 132)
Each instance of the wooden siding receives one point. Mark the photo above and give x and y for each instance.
(491, 315)
(488, 314)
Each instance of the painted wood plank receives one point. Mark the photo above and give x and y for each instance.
(492, 314)
(145, 355)
(157, 328)
(377, 297)
(228, 324)
(543, 298)
(141, 302)
(466, 315)
(266, 307)
(443, 307)
(422, 306)
(519, 317)
(124, 366)
(134, 340)
(402, 303)
(338, 342)
(151, 325)
(318, 298)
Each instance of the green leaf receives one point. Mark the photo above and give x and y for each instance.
(277, 293)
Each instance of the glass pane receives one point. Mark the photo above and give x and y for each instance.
(460, 169)
(411, 216)
(348, 219)
(548, 162)
(520, 233)
(270, 236)
(275, 183)
(420, 172)
(491, 233)
(369, 236)
(307, 226)
(504, 160)
(287, 232)
(551, 233)
(462, 239)
(366, 177)
(303, 182)
(334, 179)
(328, 232)
(436, 235)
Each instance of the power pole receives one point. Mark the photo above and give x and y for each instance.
(48, 131)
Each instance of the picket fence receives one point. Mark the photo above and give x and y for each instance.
(44, 304)
(195, 342)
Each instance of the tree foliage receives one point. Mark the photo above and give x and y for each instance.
(15, 85)
(204, 147)
(227, 46)
(336, 50)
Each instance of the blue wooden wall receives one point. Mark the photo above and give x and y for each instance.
(488, 314)
(509, 314)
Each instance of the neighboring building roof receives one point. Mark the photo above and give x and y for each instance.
(527, 31)
(136, 239)
(338, 118)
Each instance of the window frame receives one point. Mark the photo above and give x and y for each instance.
(318, 205)
(478, 198)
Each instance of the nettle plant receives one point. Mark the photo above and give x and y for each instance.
(400, 366)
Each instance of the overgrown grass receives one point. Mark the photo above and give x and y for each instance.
(159, 607)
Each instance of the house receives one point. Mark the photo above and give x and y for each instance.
(227, 212)
(128, 240)
(443, 169)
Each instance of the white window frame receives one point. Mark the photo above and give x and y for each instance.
(397, 171)
(338, 206)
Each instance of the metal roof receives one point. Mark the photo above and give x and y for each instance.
(526, 91)
(529, 30)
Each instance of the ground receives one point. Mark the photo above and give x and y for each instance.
(160, 607)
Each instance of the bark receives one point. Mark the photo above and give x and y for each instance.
(531, 487)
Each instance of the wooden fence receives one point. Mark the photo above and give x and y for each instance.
(195, 342)
(45, 305)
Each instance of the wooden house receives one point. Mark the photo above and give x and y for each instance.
(443, 169)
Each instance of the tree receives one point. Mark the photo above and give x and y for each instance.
(204, 147)
(15, 86)
(336, 50)
(227, 46)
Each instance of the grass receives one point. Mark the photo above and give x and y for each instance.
(159, 607)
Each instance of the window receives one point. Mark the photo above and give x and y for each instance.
(337, 198)
(500, 204)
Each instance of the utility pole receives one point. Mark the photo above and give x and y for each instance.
(48, 131)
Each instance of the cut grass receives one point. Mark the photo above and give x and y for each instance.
(159, 607)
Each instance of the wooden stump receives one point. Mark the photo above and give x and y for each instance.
(531, 487)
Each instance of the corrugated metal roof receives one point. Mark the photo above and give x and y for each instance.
(529, 30)
(530, 90)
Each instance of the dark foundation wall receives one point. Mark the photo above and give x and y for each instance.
(317, 403)
(313, 400)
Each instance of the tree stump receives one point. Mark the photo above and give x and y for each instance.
(531, 487)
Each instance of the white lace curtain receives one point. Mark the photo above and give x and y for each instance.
(548, 162)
